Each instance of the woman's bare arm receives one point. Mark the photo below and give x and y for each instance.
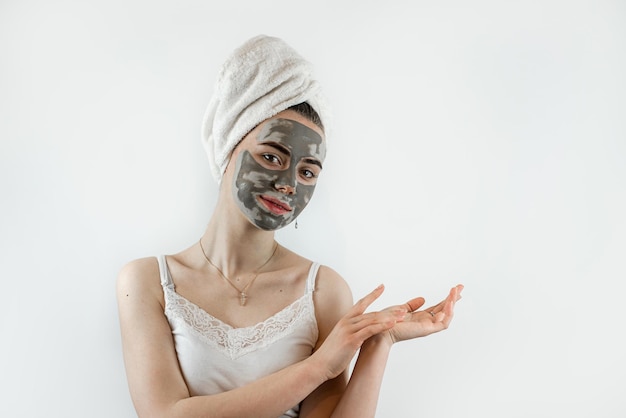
(360, 397)
(155, 380)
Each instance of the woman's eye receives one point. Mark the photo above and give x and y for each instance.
(270, 158)
(308, 174)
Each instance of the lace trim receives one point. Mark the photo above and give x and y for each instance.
(236, 342)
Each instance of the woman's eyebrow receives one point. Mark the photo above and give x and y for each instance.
(314, 162)
(278, 147)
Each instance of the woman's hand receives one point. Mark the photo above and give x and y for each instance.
(353, 329)
(425, 322)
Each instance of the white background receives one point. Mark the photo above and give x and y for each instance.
(477, 142)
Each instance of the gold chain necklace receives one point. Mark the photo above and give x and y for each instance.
(243, 296)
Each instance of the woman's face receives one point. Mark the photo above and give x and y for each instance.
(276, 170)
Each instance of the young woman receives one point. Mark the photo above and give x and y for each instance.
(237, 325)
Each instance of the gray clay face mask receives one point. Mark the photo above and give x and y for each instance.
(273, 193)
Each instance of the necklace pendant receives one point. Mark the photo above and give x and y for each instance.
(242, 298)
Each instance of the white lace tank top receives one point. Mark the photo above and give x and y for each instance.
(215, 357)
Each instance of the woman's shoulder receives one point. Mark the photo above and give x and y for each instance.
(330, 281)
(332, 298)
(330, 287)
(141, 275)
(140, 267)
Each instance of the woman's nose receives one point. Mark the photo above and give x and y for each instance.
(286, 182)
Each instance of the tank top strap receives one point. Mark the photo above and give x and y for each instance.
(166, 278)
(310, 280)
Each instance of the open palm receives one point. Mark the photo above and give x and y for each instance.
(420, 323)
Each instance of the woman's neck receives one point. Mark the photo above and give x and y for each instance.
(236, 246)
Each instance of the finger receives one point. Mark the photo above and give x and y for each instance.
(459, 289)
(370, 328)
(448, 303)
(447, 312)
(414, 304)
(366, 301)
(454, 295)
(439, 310)
(436, 308)
(446, 317)
(389, 315)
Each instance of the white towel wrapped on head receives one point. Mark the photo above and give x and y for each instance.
(261, 78)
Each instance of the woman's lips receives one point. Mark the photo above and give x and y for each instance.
(274, 205)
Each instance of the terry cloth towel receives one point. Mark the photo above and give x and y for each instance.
(261, 78)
